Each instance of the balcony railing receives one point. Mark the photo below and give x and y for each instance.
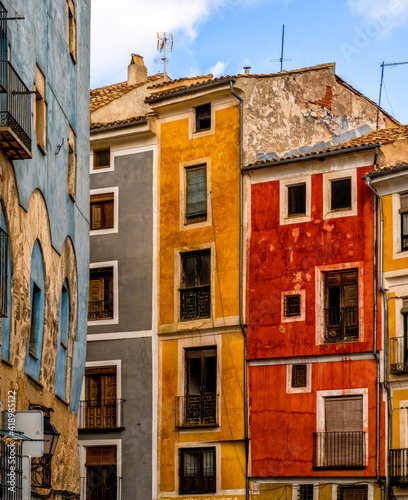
(100, 415)
(197, 411)
(112, 488)
(15, 117)
(341, 324)
(339, 450)
(195, 303)
(398, 463)
(398, 355)
(100, 309)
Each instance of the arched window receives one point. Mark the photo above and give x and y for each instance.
(62, 346)
(37, 309)
(5, 279)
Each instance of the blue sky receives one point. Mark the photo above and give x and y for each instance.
(222, 36)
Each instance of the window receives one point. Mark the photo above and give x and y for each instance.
(71, 164)
(101, 478)
(197, 470)
(203, 117)
(11, 470)
(404, 221)
(305, 492)
(354, 492)
(71, 29)
(99, 410)
(102, 211)
(196, 194)
(341, 306)
(299, 375)
(100, 303)
(101, 159)
(341, 194)
(297, 200)
(35, 318)
(291, 305)
(62, 346)
(399, 345)
(4, 278)
(199, 405)
(40, 111)
(342, 444)
(195, 288)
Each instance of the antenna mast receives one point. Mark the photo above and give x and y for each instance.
(164, 42)
(281, 59)
(381, 84)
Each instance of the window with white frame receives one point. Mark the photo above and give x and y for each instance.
(340, 194)
(295, 200)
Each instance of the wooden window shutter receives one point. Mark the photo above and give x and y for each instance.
(95, 289)
(404, 309)
(100, 455)
(344, 414)
(403, 203)
(299, 376)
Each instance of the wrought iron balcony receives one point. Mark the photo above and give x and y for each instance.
(100, 309)
(341, 324)
(339, 450)
(398, 355)
(104, 414)
(195, 303)
(15, 116)
(398, 463)
(197, 411)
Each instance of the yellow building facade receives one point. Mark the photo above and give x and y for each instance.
(390, 183)
(201, 431)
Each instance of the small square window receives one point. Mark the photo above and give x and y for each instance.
(101, 159)
(341, 194)
(197, 471)
(196, 194)
(203, 117)
(297, 200)
(305, 492)
(354, 492)
(102, 215)
(292, 305)
(299, 376)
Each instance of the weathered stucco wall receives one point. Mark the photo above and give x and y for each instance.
(289, 110)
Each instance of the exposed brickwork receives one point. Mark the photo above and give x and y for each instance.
(327, 99)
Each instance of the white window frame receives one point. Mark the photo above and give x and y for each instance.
(111, 167)
(320, 272)
(115, 319)
(115, 228)
(193, 134)
(89, 443)
(284, 185)
(302, 316)
(328, 177)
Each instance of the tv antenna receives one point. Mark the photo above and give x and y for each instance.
(164, 42)
(281, 59)
(381, 84)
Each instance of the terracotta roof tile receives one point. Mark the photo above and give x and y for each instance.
(126, 121)
(178, 80)
(387, 169)
(104, 95)
(383, 136)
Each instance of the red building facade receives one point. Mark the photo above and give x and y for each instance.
(316, 412)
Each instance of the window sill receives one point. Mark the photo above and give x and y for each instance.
(62, 400)
(34, 381)
(30, 353)
(6, 362)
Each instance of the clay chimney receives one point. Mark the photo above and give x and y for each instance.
(137, 71)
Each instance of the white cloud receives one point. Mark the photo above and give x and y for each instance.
(218, 69)
(383, 15)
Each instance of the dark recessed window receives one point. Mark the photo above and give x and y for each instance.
(100, 302)
(197, 470)
(341, 194)
(196, 196)
(195, 286)
(404, 221)
(203, 117)
(291, 305)
(102, 159)
(299, 376)
(305, 491)
(354, 492)
(102, 211)
(297, 200)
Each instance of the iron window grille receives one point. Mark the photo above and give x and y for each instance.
(341, 194)
(203, 117)
(398, 467)
(291, 306)
(199, 410)
(11, 480)
(3, 272)
(297, 200)
(197, 471)
(195, 287)
(305, 492)
(339, 450)
(341, 310)
(299, 376)
(352, 492)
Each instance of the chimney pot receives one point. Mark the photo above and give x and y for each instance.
(137, 71)
(247, 68)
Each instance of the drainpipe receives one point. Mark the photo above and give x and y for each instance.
(241, 269)
(379, 269)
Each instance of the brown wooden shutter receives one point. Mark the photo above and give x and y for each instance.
(100, 455)
(299, 376)
(344, 414)
(403, 203)
(108, 215)
(95, 289)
